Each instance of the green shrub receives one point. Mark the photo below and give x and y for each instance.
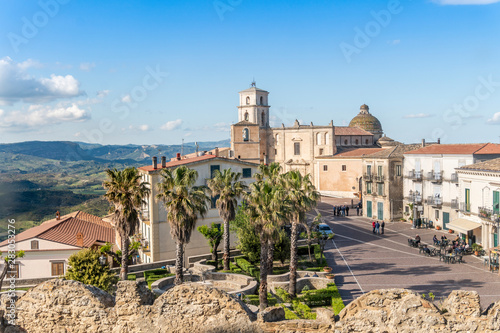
(314, 269)
(289, 314)
(283, 295)
(320, 297)
(158, 271)
(131, 277)
(337, 305)
(254, 300)
(154, 277)
(236, 270)
(302, 310)
(245, 265)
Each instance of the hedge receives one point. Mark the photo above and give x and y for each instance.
(254, 300)
(158, 271)
(155, 277)
(320, 297)
(337, 305)
(289, 314)
(303, 311)
(131, 277)
(283, 295)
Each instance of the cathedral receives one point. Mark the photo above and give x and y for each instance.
(299, 147)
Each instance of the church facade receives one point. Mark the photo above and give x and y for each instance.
(302, 147)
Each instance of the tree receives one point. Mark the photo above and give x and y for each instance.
(214, 236)
(310, 226)
(84, 266)
(133, 250)
(9, 262)
(281, 247)
(264, 210)
(248, 239)
(183, 202)
(126, 192)
(301, 197)
(228, 188)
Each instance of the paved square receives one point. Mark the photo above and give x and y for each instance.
(363, 261)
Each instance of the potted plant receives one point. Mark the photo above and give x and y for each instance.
(450, 231)
(476, 248)
(330, 276)
(438, 227)
(327, 269)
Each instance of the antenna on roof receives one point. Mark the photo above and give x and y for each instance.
(197, 148)
(182, 148)
(253, 84)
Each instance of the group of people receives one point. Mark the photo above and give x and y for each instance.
(378, 228)
(342, 210)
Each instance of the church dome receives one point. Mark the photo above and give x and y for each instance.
(366, 121)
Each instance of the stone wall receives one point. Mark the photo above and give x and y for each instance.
(68, 306)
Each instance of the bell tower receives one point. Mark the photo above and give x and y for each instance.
(249, 134)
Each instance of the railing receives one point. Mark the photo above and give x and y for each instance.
(434, 176)
(415, 175)
(368, 177)
(454, 178)
(435, 201)
(485, 213)
(380, 178)
(454, 204)
(464, 208)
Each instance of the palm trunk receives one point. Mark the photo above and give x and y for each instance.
(309, 242)
(263, 275)
(292, 289)
(4, 271)
(270, 256)
(215, 257)
(179, 267)
(226, 246)
(124, 269)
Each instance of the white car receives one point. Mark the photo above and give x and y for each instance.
(324, 229)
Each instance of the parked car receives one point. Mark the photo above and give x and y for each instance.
(324, 229)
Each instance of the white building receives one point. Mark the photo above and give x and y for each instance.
(431, 180)
(154, 226)
(48, 246)
(479, 194)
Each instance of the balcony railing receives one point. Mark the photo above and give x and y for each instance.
(434, 201)
(485, 213)
(454, 178)
(435, 176)
(464, 208)
(416, 175)
(454, 204)
(368, 177)
(380, 178)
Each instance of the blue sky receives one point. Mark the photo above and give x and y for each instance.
(157, 72)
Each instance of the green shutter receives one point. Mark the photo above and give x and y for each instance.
(446, 220)
(467, 200)
(496, 202)
(369, 209)
(380, 210)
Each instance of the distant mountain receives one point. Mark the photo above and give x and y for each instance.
(79, 151)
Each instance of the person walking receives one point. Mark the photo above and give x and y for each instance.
(334, 210)
(357, 210)
(373, 225)
(382, 226)
(377, 228)
(347, 210)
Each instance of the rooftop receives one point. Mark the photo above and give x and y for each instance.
(344, 130)
(450, 149)
(358, 152)
(185, 161)
(490, 148)
(491, 165)
(64, 230)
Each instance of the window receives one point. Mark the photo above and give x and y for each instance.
(325, 167)
(57, 268)
(436, 214)
(344, 167)
(245, 134)
(380, 189)
(214, 168)
(213, 201)
(380, 210)
(380, 170)
(277, 139)
(345, 142)
(247, 172)
(407, 209)
(296, 148)
(261, 100)
(246, 116)
(366, 142)
(467, 200)
(318, 139)
(496, 202)
(263, 118)
(369, 169)
(369, 209)
(34, 245)
(369, 188)
(321, 151)
(13, 271)
(357, 142)
(327, 138)
(275, 151)
(398, 170)
(248, 100)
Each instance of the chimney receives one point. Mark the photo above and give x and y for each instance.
(217, 151)
(58, 216)
(178, 156)
(79, 239)
(439, 141)
(423, 142)
(163, 161)
(155, 162)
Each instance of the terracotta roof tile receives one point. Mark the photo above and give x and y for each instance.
(358, 152)
(490, 148)
(491, 165)
(344, 130)
(65, 229)
(465, 149)
(178, 162)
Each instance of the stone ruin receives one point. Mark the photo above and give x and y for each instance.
(68, 306)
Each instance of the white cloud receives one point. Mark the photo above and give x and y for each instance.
(418, 115)
(466, 2)
(144, 128)
(127, 99)
(87, 66)
(16, 84)
(103, 93)
(29, 63)
(171, 125)
(39, 115)
(495, 120)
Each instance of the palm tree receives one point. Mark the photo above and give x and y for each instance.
(271, 173)
(126, 192)
(264, 210)
(228, 188)
(301, 196)
(184, 202)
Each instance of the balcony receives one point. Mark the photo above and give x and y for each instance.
(454, 204)
(485, 213)
(368, 177)
(145, 215)
(454, 178)
(465, 208)
(434, 201)
(380, 178)
(415, 175)
(435, 177)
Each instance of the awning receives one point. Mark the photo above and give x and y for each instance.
(463, 225)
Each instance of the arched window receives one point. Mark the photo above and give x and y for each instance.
(246, 116)
(261, 100)
(318, 139)
(277, 139)
(327, 138)
(245, 134)
(248, 100)
(263, 118)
